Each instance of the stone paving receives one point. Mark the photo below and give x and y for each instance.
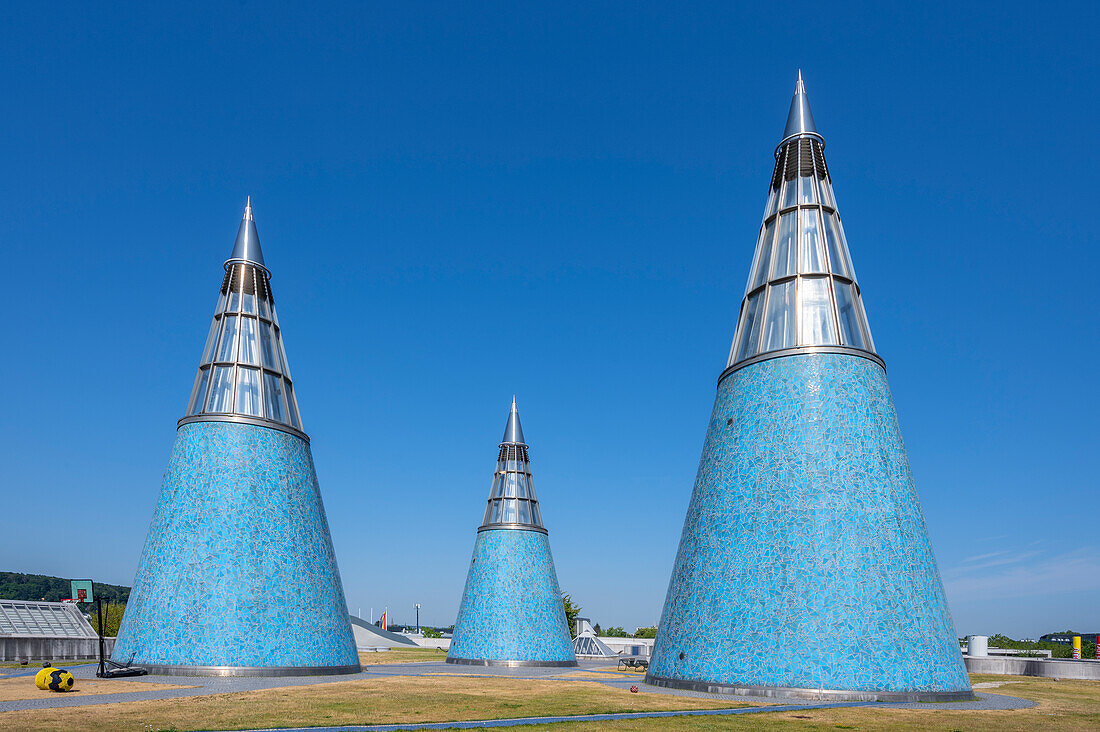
(599, 672)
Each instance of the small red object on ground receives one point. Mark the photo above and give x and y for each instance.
(633, 689)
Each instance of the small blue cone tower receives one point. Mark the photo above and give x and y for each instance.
(512, 612)
(804, 568)
(238, 576)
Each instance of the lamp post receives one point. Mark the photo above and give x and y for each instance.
(418, 618)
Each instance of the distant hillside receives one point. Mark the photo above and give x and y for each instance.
(19, 586)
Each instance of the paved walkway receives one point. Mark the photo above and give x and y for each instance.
(598, 671)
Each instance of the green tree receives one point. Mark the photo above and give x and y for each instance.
(615, 631)
(596, 629)
(645, 633)
(571, 612)
(431, 633)
(112, 617)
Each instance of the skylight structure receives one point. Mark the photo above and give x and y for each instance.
(802, 291)
(804, 568)
(238, 576)
(512, 612)
(512, 502)
(243, 373)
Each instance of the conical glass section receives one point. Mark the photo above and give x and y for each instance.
(512, 501)
(244, 372)
(802, 290)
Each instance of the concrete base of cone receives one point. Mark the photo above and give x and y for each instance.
(804, 562)
(238, 575)
(511, 612)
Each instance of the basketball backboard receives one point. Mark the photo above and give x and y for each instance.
(82, 590)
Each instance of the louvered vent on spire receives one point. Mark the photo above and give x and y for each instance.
(802, 290)
(244, 372)
(512, 501)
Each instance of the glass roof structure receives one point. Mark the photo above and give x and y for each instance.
(802, 294)
(23, 619)
(512, 503)
(589, 646)
(243, 374)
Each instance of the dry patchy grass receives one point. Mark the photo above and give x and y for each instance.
(1063, 705)
(1068, 706)
(24, 688)
(394, 699)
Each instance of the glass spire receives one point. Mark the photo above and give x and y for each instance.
(802, 291)
(512, 501)
(243, 374)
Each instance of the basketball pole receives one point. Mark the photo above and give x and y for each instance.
(102, 672)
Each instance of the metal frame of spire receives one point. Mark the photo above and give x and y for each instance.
(246, 248)
(243, 374)
(512, 503)
(802, 295)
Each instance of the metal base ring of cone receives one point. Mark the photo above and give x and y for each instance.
(827, 695)
(256, 671)
(510, 664)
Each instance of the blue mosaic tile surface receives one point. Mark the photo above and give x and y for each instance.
(511, 608)
(238, 567)
(804, 560)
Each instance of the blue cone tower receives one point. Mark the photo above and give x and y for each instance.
(804, 568)
(238, 575)
(511, 612)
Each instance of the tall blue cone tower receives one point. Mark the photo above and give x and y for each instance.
(238, 575)
(804, 568)
(511, 612)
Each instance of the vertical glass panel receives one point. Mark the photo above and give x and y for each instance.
(870, 341)
(750, 329)
(844, 247)
(524, 513)
(248, 299)
(838, 260)
(208, 349)
(228, 349)
(790, 192)
(827, 193)
(281, 352)
(248, 392)
(265, 308)
(813, 257)
(763, 256)
(536, 514)
(200, 392)
(785, 261)
(773, 198)
(817, 312)
(292, 407)
(850, 331)
(779, 324)
(221, 303)
(807, 190)
(510, 512)
(249, 353)
(234, 300)
(273, 397)
(221, 390)
(267, 347)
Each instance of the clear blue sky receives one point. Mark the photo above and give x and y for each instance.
(462, 202)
